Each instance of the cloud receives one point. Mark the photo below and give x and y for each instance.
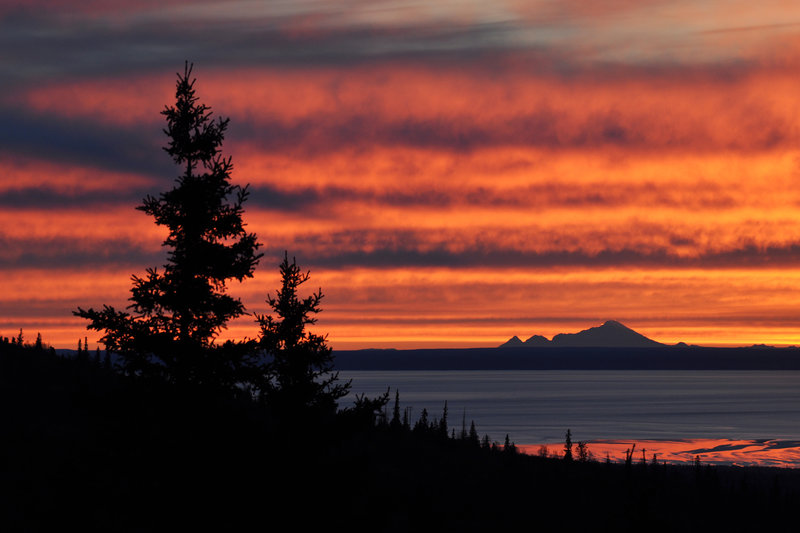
(633, 244)
(62, 41)
(46, 137)
(544, 129)
(49, 46)
(529, 113)
(65, 253)
(545, 196)
(398, 252)
(755, 28)
(46, 198)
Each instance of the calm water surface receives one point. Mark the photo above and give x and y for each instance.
(535, 406)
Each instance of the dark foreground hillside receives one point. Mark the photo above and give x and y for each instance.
(85, 448)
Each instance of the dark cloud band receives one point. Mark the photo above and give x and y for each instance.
(84, 142)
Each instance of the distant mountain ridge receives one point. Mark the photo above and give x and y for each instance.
(611, 334)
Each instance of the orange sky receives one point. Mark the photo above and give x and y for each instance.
(450, 176)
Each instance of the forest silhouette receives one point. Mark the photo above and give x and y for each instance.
(171, 430)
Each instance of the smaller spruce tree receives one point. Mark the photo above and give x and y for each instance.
(473, 434)
(443, 422)
(629, 455)
(568, 446)
(543, 452)
(422, 424)
(395, 423)
(297, 374)
(583, 452)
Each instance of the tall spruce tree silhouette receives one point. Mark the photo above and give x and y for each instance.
(177, 313)
(298, 375)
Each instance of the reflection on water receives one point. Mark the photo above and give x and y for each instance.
(709, 451)
(741, 417)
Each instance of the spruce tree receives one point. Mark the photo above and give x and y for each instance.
(583, 452)
(508, 446)
(568, 446)
(177, 312)
(422, 424)
(443, 422)
(297, 375)
(395, 423)
(473, 434)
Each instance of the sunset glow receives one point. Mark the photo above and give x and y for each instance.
(450, 176)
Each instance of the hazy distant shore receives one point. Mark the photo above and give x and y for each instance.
(572, 358)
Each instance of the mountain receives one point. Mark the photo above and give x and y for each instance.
(611, 334)
(537, 340)
(513, 342)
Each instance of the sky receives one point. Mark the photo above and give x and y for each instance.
(452, 173)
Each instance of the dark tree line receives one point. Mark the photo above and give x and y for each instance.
(433, 428)
(19, 340)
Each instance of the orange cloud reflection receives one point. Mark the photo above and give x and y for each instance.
(765, 452)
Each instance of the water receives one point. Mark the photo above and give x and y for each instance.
(535, 406)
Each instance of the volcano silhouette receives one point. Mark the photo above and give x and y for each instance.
(611, 334)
